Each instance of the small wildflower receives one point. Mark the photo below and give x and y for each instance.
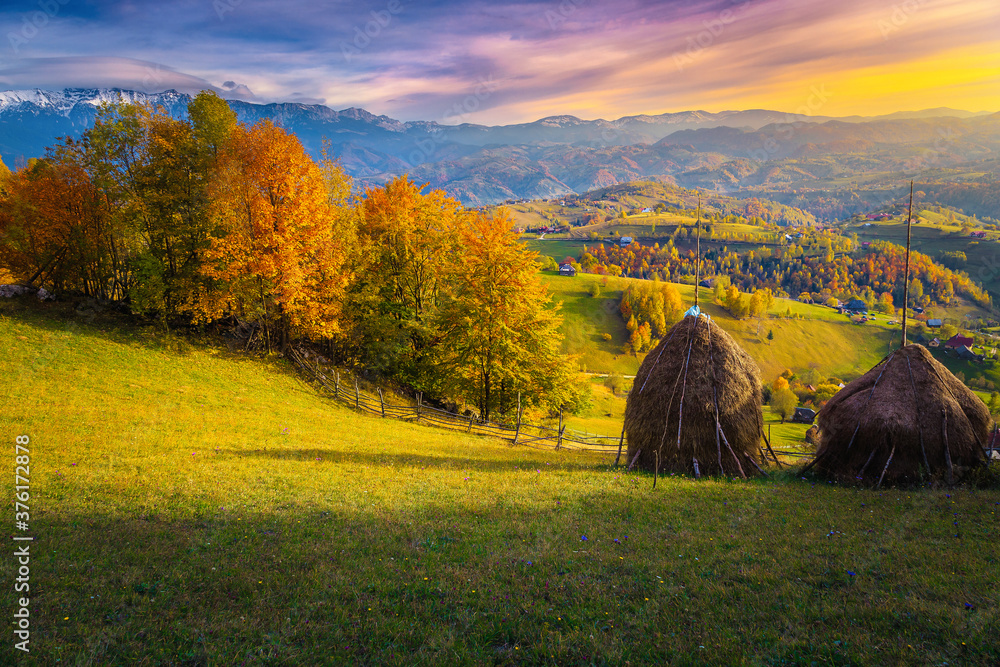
(583, 538)
(851, 574)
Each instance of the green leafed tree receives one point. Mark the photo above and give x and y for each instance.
(784, 402)
(499, 327)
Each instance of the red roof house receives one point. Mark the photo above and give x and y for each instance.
(958, 341)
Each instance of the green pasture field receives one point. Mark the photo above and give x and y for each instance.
(817, 338)
(192, 506)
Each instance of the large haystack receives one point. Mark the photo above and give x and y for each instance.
(906, 414)
(698, 377)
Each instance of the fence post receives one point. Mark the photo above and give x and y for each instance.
(420, 399)
(470, 423)
(357, 394)
(336, 383)
(381, 401)
(559, 440)
(517, 432)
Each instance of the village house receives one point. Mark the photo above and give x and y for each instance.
(957, 341)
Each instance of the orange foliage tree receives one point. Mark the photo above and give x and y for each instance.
(280, 245)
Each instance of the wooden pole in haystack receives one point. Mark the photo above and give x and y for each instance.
(697, 265)
(906, 273)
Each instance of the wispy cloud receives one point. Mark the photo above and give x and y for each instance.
(566, 56)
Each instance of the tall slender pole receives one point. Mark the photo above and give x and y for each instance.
(697, 265)
(906, 273)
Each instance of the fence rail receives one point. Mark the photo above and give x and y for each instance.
(520, 433)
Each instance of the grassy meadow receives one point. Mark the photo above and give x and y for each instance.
(192, 506)
(815, 337)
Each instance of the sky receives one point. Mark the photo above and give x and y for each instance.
(505, 61)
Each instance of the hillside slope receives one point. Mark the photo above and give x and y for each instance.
(194, 507)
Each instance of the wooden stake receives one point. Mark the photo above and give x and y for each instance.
(767, 441)
(867, 400)
(697, 264)
(621, 442)
(634, 459)
(718, 427)
(420, 399)
(730, 448)
(882, 476)
(687, 361)
(697, 471)
(861, 473)
(947, 449)
(357, 394)
(906, 273)
(381, 401)
(916, 403)
(336, 383)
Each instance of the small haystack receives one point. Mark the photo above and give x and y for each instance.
(907, 415)
(695, 405)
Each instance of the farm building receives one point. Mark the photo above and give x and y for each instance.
(934, 323)
(957, 341)
(567, 270)
(804, 416)
(856, 305)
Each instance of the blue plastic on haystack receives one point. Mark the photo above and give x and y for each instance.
(695, 311)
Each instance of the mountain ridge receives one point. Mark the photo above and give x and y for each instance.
(551, 156)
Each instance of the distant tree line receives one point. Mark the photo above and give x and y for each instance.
(872, 271)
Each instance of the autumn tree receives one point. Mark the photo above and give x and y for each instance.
(54, 227)
(498, 325)
(407, 240)
(279, 247)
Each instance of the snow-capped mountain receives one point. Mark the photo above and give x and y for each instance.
(64, 102)
(480, 164)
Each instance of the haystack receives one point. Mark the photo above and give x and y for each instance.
(907, 414)
(695, 405)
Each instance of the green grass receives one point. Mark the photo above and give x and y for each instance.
(192, 507)
(586, 319)
(818, 338)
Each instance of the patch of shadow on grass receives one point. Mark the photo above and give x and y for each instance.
(414, 460)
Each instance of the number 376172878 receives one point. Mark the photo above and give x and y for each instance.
(21, 479)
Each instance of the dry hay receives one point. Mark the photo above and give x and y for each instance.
(906, 417)
(698, 377)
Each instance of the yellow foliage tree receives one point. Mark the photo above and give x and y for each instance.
(281, 246)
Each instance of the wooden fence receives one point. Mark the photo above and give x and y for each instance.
(519, 433)
(348, 391)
